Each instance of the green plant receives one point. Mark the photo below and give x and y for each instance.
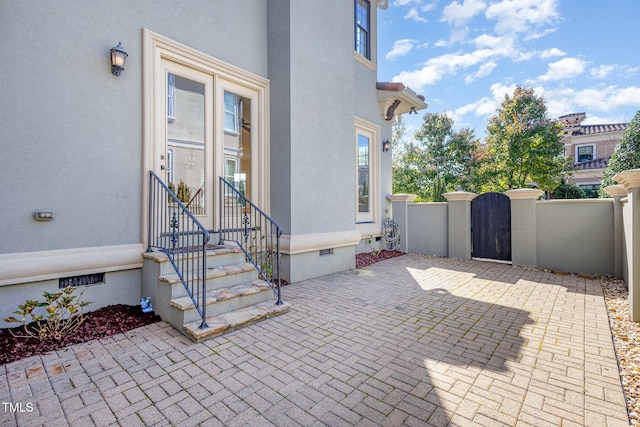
(184, 194)
(374, 251)
(569, 191)
(63, 315)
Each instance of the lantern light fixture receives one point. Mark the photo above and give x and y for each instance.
(386, 145)
(118, 56)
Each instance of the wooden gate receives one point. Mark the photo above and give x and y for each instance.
(491, 226)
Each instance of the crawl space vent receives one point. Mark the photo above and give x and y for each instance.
(84, 280)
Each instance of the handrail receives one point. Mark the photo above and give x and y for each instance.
(253, 231)
(198, 199)
(176, 232)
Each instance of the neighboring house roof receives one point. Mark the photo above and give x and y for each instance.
(594, 129)
(572, 124)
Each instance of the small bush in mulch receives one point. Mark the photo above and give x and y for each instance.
(365, 259)
(103, 322)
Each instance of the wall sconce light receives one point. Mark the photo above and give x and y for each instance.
(118, 55)
(386, 145)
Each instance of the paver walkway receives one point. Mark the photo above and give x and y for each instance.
(409, 341)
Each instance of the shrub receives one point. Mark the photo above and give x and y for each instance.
(569, 191)
(63, 315)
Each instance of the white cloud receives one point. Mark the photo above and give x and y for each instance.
(484, 70)
(599, 120)
(459, 14)
(602, 72)
(550, 53)
(414, 15)
(564, 69)
(400, 48)
(594, 100)
(486, 40)
(439, 67)
(519, 16)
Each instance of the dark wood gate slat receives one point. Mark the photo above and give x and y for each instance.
(491, 226)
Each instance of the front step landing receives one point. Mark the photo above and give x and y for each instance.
(235, 319)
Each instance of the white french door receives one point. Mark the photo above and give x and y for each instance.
(185, 151)
(203, 118)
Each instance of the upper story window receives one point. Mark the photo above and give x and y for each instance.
(585, 153)
(362, 27)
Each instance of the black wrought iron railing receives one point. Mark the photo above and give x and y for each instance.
(176, 232)
(253, 231)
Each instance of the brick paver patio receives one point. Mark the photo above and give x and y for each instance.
(409, 341)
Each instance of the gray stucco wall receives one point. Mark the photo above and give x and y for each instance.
(429, 224)
(313, 154)
(575, 236)
(72, 132)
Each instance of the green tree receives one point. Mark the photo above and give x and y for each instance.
(523, 145)
(626, 155)
(569, 191)
(436, 161)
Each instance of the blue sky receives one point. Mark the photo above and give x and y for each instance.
(465, 55)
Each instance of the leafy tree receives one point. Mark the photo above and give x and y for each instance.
(523, 145)
(626, 155)
(438, 159)
(569, 191)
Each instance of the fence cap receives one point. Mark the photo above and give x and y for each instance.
(616, 190)
(401, 197)
(456, 196)
(630, 179)
(524, 194)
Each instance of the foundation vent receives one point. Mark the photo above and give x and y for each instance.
(84, 280)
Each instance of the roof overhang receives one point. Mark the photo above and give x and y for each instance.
(396, 99)
(383, 4)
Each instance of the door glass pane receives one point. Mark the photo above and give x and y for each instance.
(363, 174)
(237, 142)
(186, 142)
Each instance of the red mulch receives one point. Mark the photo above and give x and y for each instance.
(103, 322)
(363, 260)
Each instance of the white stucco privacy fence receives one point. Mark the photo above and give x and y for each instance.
(594, 236)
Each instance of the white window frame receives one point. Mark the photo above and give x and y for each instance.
(370, 61)
(577, 157)
(368, 222)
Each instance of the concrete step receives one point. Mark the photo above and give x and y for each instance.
(224, 300)
(217, 255)
(223, 276)
(234, 319)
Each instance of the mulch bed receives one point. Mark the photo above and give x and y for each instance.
(103, 322)
(363, 260)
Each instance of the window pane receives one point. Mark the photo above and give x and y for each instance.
(585, 153)
(231, 120)
(171, 96)
(363, 174)
(362, 27)
(186, 142)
